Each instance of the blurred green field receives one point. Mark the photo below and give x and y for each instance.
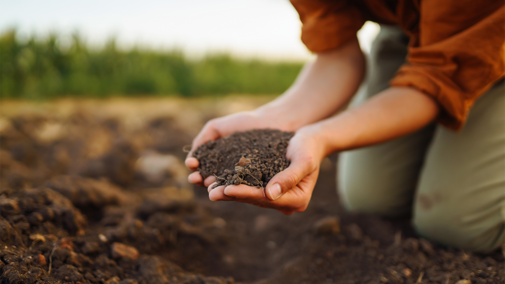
(44, 69)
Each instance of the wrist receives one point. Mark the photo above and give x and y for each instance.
(332, 135)
(280, 116)
(316, 133)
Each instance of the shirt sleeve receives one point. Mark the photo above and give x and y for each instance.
(327, 24)
(458, 54)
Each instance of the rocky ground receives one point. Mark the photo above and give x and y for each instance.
(96, 192)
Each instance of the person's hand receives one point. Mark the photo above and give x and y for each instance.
(221, 127)
(290, 190)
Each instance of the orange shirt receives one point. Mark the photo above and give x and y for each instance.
(456, 49)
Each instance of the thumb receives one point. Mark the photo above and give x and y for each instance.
(209, 132)
(289, 178)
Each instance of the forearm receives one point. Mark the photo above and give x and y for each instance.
(320, 90)
(394, 112)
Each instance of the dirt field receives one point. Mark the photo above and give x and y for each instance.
(96, 192)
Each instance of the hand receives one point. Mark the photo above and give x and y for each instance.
(290, 190)
(221, 127)
(315, 95)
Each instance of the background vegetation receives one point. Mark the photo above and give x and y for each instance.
(43, 69)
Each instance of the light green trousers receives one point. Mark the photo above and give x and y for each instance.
(453, 181)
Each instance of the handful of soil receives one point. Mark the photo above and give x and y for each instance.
(252, 157)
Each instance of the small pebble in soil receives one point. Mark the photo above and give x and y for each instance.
(42, 260)
(37, 238)
(252, 157)
(102, 238)
(426, 246)
(327, 226)
(355, 232)
(219, 223)
(271, 245)
(113, 280)
(407, 272)
(120, 250)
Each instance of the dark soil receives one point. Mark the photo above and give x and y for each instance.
(58, 225)
(103, 203)
(251, 157)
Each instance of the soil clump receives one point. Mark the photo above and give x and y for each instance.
(252, 157)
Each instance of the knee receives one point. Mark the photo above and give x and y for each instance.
(367, 185)
(363, 197)
(448, 229)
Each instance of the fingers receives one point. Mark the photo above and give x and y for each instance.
(244, 192)
(287, 205)
(286, 212)
(210, 187)
(209, 132)
(290, 177)
(256, 196)
(196, 178)
(209, 180)
(192, 163)
(217, 194)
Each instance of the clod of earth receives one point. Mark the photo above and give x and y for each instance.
(252, 157)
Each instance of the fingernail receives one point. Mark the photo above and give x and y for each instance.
(275, 191)
(225, 191)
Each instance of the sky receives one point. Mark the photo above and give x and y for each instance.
(249, 28)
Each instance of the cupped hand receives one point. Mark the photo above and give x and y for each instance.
(290, 190)
(221, 127)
